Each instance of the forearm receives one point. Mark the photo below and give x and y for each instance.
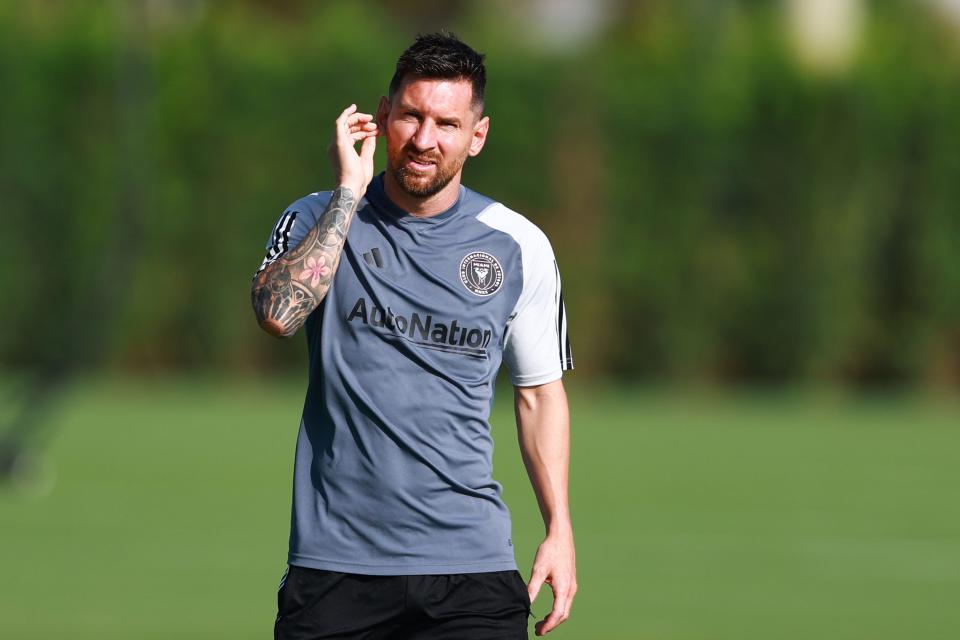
(543, 427)
(291, 287)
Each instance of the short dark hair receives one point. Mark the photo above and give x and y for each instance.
(442, 56)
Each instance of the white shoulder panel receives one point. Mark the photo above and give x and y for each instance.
(536, 348)
(524, 232)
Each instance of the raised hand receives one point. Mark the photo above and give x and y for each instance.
(352, 169)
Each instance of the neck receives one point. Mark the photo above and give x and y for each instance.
(422, 207)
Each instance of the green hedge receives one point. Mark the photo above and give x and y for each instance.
(717, 213)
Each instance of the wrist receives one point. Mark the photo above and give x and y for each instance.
(355, 188)
(559, 528)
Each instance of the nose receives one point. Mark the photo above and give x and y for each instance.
(425, 137)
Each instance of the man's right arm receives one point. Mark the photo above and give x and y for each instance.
(293, 285)
(290, 287)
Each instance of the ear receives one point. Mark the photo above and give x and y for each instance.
(383, 110)
(479, 135)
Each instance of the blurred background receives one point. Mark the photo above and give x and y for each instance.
(755, 207)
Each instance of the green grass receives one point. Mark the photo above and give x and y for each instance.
(697, 515)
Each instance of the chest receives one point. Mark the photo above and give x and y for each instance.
(451, 286)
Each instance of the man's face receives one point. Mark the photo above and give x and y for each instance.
(431, 127)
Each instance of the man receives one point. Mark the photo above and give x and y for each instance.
(412, 289)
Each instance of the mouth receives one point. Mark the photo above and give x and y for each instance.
(420, 164)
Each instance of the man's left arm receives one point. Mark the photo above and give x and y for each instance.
(543, 429)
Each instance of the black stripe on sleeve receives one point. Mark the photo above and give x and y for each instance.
(281, 237)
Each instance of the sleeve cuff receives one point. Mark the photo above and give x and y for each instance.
(537, 379)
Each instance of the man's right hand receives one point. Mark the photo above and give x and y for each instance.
(351, 169)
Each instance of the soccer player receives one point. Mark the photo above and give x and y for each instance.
(412, 289)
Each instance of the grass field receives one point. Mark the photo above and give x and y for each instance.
(697, 515)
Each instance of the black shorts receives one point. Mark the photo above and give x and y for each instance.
(314, 604)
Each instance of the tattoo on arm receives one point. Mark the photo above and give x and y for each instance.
(290, 288)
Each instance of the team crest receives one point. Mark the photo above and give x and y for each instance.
(480, 273)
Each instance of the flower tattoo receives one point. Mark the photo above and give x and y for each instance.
(316, 268)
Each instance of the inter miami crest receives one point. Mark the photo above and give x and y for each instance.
(480, 273)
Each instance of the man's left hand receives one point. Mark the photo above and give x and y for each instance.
(556, 565)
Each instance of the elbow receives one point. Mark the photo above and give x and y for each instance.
(266, 312)
(277, 329)
(273, 326)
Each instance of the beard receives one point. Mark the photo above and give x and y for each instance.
(419, 184)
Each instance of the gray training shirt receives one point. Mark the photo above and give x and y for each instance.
(393, 472)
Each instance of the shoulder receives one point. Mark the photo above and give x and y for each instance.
(302, 213)
(536, 255)
(313, 203)
(525, 233)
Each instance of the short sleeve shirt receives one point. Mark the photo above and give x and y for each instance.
(393, 472)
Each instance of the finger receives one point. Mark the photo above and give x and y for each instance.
(339, 141)
(568, 605)
(562, 597)
(357, 118)
(346, 114)
(367, 148)
(533, 587)
(549, 623)
(362, 135)
(369, 126)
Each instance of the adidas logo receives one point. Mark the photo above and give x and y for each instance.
(373, 258)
